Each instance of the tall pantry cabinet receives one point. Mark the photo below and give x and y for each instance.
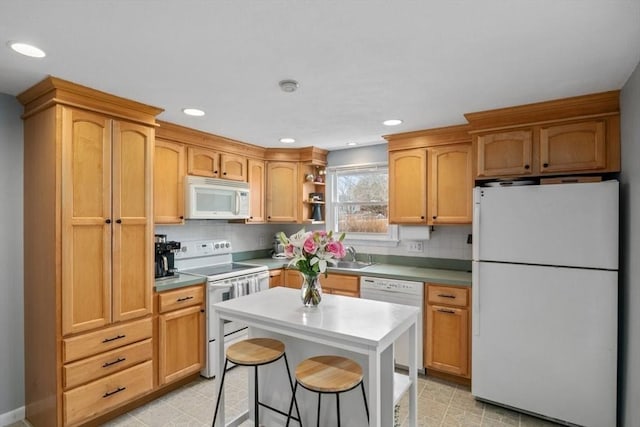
(88, 249)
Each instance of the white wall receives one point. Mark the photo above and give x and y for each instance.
(11, 265)
(629, 349)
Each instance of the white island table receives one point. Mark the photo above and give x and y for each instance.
(362, 329)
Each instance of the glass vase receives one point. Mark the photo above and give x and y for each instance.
(311, 291)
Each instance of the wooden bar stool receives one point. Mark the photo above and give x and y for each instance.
(328, 375)
(257, 352)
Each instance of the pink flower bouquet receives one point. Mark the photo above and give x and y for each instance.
(311, 251)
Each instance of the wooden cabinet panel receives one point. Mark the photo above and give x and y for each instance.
(181, 343)
(168, 185)
(92, 343)
(202, 162)
(257, 187)
(573, 147)
(132, 223)
(292, 279)
(450, 184)
(233, 167)
(107, 363)
(447, 339)
(180, 298)
(86, 221)
(342, 284)
(505, 153)
(447, 328)
(276, 278)
(408, 187)
(282, 182)
(99, 396)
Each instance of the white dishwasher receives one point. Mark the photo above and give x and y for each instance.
(397, 292)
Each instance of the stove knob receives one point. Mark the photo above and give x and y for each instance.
(217, 245)
(227, 245)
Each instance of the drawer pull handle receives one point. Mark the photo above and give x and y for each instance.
(184, 299)
(118, 360)
(106, 340)
(447, 296)
(111, 393)
(443, 310)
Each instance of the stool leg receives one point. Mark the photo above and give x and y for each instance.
(319, 396)
(295, 401)
(255, 404)
(364, 396)
(224, 372)
(291, 405)
(338, 407)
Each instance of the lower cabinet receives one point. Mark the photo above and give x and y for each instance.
(181, 333)
(276, 277)
(447, 330)
(338, 284)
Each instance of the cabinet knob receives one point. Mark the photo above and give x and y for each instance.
(216, 172)
(545, 165)
(224, 173)
(526, 166)
(119, 221)
(434, 217)
(108, 221)
(181, 217)
(422, 217)
(268, 217)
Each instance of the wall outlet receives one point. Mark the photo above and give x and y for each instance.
(261, 240)
(415, 246)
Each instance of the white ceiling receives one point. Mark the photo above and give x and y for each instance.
(358, 62)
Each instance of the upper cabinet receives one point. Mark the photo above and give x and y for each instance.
(430, 176)
(257, 187)
(168, 179)
(561, 137)
(206, 162)
(282, 184)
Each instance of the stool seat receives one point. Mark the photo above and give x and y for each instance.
(255, 351)
(329, 374)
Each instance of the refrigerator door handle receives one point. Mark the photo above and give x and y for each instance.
(475, 299)
(475, 241)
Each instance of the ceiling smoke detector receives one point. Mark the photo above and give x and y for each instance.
(288, 85)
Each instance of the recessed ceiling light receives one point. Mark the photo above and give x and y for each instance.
(392, 122)
(193, 112)
(287, 140)
(27, 49)
(351, 144)
(288, 85)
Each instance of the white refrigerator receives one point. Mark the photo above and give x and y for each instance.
(545, 300)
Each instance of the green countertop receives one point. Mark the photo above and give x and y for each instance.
(389, 271)
(180, 280)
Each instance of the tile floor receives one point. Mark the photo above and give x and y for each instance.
(439, 404)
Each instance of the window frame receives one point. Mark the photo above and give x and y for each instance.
(390, 238)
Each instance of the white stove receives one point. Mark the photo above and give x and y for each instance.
(225, 280)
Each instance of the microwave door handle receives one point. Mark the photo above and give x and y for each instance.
(237, 212)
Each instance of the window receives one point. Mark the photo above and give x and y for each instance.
(359, 202)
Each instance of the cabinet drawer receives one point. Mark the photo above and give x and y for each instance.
(102, 395)
(449, 295)
(113, 361)
(179, 298)
(106, 339)
(340, 282)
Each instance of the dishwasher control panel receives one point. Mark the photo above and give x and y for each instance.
(393, 285)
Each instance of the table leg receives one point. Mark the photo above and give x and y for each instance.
(413, 375)
(374, 389)
(219, 349)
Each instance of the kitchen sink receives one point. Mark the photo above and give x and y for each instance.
(353, 265)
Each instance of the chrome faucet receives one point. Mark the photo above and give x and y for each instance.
(352, 252)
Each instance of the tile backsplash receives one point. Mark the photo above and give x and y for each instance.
(444, 241)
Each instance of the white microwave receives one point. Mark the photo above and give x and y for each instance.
(211, 198)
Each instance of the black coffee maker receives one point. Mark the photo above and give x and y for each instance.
(165, 256)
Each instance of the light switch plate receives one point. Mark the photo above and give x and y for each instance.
(415, 246)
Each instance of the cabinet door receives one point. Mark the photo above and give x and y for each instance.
(505, 153)
(181, 343)
(408, 187)
(292, 279)
(202, 162)
(276, 278)
(233, 167)
(447, 339)
(341, 284)
(86, 221)
(168, 188)
(573, 147)
(450, 184)
(282, 201)
(257, 188)
(132, 226)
